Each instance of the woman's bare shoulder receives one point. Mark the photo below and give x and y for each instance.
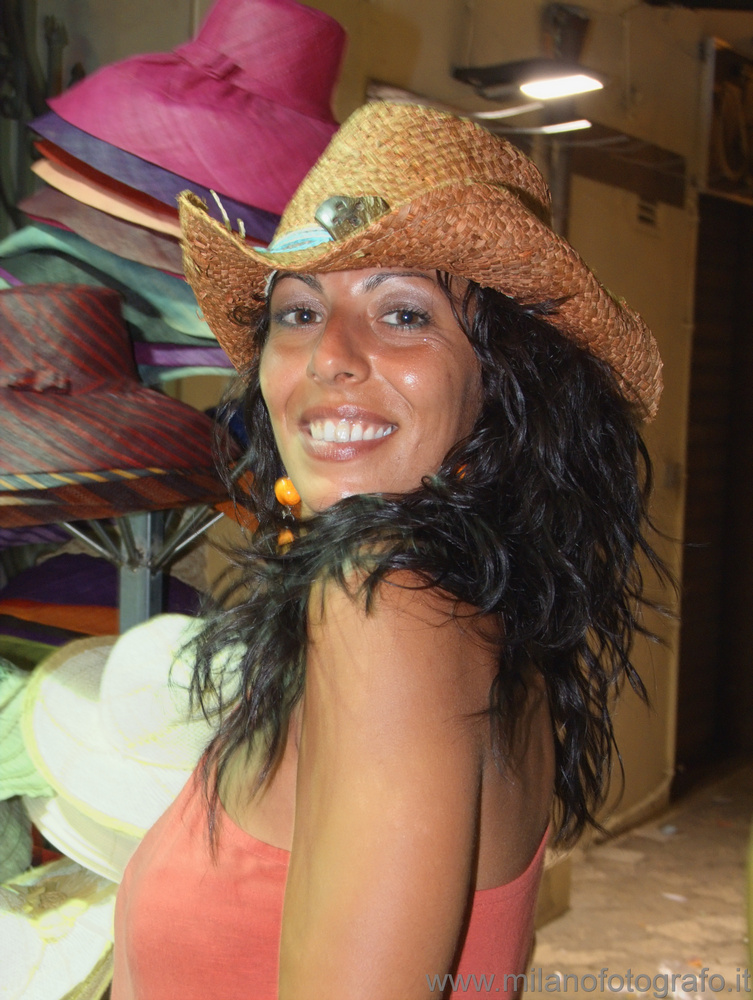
(406, 628)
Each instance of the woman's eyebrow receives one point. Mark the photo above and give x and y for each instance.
(374, 280)
(308, 279)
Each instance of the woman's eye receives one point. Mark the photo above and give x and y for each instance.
(407, 318)
(296, 316)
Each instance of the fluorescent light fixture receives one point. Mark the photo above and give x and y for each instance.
(549, 88)
(554, 129)
(520, 109)
(547, 76)
(572, 126)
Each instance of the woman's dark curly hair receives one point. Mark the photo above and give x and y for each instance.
(543, 528)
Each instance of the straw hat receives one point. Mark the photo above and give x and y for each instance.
(401, 185)
(140, 175)
(56, 934)
(95, 846)
(109, 196)
(126, 239)
(81, 436)
(243, 109)
(107, 723)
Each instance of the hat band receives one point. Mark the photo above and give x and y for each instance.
(298, 239)
(337, 218)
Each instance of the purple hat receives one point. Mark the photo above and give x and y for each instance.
(109, 161)
(243, 109)
(82, 438)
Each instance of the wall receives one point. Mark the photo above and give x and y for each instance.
(652, 57)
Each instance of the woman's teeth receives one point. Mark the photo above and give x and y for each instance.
(344, 431)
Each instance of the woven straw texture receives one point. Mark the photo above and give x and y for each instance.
(462, 201)
(81, 436)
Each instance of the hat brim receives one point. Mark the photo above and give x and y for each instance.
(101, 454)
(93, 845)
(120, 426)
(230, 141)
(56, 933)
(479, 231)
(130, 206)
(126, 239)
(64, 736)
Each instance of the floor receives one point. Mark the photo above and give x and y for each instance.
(665, 898)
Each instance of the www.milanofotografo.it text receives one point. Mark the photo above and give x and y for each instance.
(659, 984)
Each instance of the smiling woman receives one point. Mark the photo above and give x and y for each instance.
(369, 381)
(449, 402)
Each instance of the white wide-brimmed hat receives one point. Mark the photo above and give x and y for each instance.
(56, 933)
(107, 722)
(93, 845)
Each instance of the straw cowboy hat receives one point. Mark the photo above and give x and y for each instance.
(401, 185)
(243, 109)
(81, 436)
(109, 725)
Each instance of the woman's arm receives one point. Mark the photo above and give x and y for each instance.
(387, 806)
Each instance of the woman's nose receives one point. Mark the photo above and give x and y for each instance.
(338, 353)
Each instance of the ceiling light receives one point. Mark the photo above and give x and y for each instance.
(520, 109)
(541, 78)
(572, 126)
(553, 129)
(549, 88)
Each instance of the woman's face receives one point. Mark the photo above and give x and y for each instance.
(369, 381)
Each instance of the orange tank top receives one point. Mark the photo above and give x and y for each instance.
(196, 928)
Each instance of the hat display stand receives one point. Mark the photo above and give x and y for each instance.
(116, 149)
(93, 305)
(84, 440)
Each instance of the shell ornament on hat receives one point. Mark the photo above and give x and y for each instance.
(407, 186)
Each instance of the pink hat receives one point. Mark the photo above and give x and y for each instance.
(243, 109)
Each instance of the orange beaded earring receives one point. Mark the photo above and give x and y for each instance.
(289, 497)
(286, 493)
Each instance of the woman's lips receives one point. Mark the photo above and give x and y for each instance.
(344, 431)
(341, 436)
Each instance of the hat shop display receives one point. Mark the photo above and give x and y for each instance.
(242, 107)
(56, 917)
(94, 309)
(107, 724)
(241, 110)
(56, 933)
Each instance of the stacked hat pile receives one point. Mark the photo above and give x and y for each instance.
(237, 115)
(99, 740)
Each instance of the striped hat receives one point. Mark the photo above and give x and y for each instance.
(80, 437)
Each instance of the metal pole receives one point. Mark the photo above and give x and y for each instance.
(141, 586)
